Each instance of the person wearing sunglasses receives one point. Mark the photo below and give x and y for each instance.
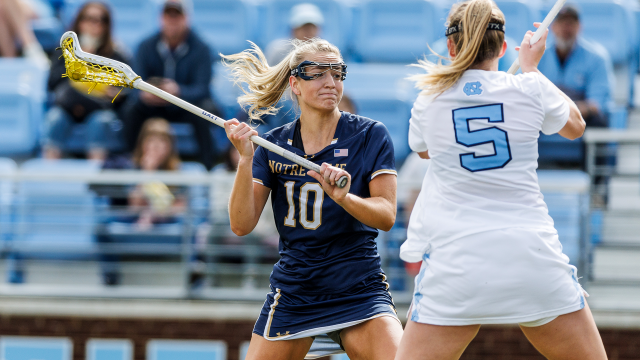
(328, 291)
(73, 103)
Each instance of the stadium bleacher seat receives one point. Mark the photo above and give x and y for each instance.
(186, 349)
(519, 17)
(225, 25)
(394, 114)
(397, 31)
(55, 216)
(566, 193)
(224, 91)
(244, 348)
(22, 98)
(132, 20)
(41, 348)
(335, 28)
(109, 349)
(48, 32)
(7, 167)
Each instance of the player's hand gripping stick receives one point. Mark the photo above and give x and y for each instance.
(541, 30)
(85, 67)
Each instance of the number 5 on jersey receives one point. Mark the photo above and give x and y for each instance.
(492, 135)
(316, 216)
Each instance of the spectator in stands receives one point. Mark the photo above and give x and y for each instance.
(177, 61)
(581, 69)
(306, 21)
(148, 204)
(14, 28)
(72, 103)
(346, 104)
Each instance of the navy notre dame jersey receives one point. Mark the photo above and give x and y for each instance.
(323, 249)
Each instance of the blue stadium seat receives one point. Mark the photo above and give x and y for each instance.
(556, 148)
(7, 167)
(41, 348)
(394, 114)
(381, 80)
(336, 21)
(519, 17)
(132, 20)
(224, 91)
(186, 349)
(244, 348)
(612, 25)
(48, 32)
(225, 25)
(18, 122)
(55, 215)
(397, 31)
(109, 349)
(566, 195)
(22, 99)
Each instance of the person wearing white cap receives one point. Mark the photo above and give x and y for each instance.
(306, 21)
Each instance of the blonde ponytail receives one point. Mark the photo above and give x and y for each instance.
(473, 45)
(267, 84)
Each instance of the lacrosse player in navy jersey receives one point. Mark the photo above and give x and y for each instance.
(328, 281)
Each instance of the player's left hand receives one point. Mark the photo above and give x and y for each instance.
(327, 179)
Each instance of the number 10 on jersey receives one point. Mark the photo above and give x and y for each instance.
(316, 216)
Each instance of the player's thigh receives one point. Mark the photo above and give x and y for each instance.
(434, 342)
(376, 339)
(568, 337)
(263, 349)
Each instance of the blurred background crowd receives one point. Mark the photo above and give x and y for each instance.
(141, 234)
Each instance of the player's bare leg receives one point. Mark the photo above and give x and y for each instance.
(263, 349)
(570, 336)
(434, 342)
(376, 339)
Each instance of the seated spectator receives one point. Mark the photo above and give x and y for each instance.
(305, 22)
(579, 68)
(147, 204)
(14, 29)
(72, 103)
(177, 61)
(346, 104)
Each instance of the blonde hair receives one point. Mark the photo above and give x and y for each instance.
(473, 45)
(267, 84)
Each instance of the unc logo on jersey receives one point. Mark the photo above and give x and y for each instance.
(473, 88)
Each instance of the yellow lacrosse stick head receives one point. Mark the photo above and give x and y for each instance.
(90, 68)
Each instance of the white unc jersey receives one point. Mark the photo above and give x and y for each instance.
(482, 137)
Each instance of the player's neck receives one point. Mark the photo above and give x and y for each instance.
(487, 65)
(317, 129)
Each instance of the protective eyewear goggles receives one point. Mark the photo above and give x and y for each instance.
(311, 70)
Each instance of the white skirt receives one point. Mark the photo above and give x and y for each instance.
(506, 276)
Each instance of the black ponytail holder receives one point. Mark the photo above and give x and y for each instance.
(458, 28)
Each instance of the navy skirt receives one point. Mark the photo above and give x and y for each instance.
(286, 316)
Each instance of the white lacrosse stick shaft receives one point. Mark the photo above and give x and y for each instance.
(140, 84)
(539, 32)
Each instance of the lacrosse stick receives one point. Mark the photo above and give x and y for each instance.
(90, 68)
(539, 32)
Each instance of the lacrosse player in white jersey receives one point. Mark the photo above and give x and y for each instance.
(489, 250)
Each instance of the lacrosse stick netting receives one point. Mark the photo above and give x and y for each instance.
(90, 68)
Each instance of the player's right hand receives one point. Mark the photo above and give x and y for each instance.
(239, 133)
(530, 55)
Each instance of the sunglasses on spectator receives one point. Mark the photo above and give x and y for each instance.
(95, 19)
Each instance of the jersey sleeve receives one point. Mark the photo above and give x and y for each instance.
(380, 158)
(555, 107)
(417, 141)
(261, 173)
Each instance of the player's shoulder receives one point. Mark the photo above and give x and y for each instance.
(280, 135)
(356, 125)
